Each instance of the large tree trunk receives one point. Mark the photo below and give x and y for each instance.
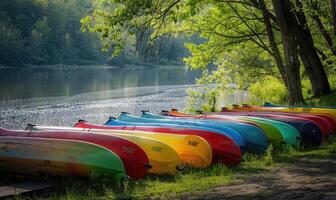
(311, 60)
(294, 89)
(333, 14)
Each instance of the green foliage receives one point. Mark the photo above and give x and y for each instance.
(11, 42)
(41, 32)
(49, 32)
(233, 41)
(201, 99)
(268, 89)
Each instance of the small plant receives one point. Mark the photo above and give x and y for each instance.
(268, 158)
(290, 150)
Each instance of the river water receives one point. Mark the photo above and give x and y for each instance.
(61, 96)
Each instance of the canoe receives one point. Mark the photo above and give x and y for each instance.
(162, 158)
(55, 157)
(134, 158)
(289, 134)
(255, 138)
(330, 112)
(273, 135)
(327, 124)
(223, 130)
(268, 104)
(311, 134)
(193, 150)
(224, 149)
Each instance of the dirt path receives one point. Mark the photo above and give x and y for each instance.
(307, 178)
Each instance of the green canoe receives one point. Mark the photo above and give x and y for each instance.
(58, 157)
(273, 135)
(290, 135)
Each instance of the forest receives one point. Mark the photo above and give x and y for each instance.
(48, 32)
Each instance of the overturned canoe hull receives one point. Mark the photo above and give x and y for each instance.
(54, 157)
(224, 149)
(255, 139)
(163, 159)
(133, 157)
(223, 130)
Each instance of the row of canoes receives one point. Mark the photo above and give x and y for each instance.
(132, 146)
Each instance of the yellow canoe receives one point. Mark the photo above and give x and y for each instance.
(163, 158)
(193, 150)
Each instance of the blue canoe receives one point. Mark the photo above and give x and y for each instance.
(222, 129)
(255, 138)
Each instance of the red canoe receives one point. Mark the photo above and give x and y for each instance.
(134, 158)
(327, 125)
(224, 148)
(325, 129)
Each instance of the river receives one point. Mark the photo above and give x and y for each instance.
(62, 95)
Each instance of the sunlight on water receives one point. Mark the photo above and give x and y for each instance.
(95, 107)
(48, 81)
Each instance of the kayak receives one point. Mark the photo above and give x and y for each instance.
(193, 150)
(224, 149)
(255, 139)
(133, 157)
(223, 130)
(273, 135)
(310, 132)
(162, 158)
(327, 124)
(55, 157)
(267, 104)
(289, 134)
(329, 112)
(325, 121)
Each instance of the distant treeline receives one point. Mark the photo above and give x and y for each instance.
(48, 32)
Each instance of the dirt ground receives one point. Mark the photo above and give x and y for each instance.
(308, 178)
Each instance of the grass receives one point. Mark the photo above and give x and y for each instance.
(164, 186)
(270, 89)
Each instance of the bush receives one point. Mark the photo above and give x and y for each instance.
(268, 89)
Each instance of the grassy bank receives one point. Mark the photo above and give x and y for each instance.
(270, 89)
(189, 182)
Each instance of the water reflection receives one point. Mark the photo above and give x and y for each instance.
(46, 82)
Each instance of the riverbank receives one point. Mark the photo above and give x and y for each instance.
(291, 174)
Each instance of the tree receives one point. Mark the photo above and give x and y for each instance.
(11, 43)
(229, 26)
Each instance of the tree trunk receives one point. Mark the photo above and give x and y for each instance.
(333, 15)
(311, 61)
(271, 39)
(294, 89)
